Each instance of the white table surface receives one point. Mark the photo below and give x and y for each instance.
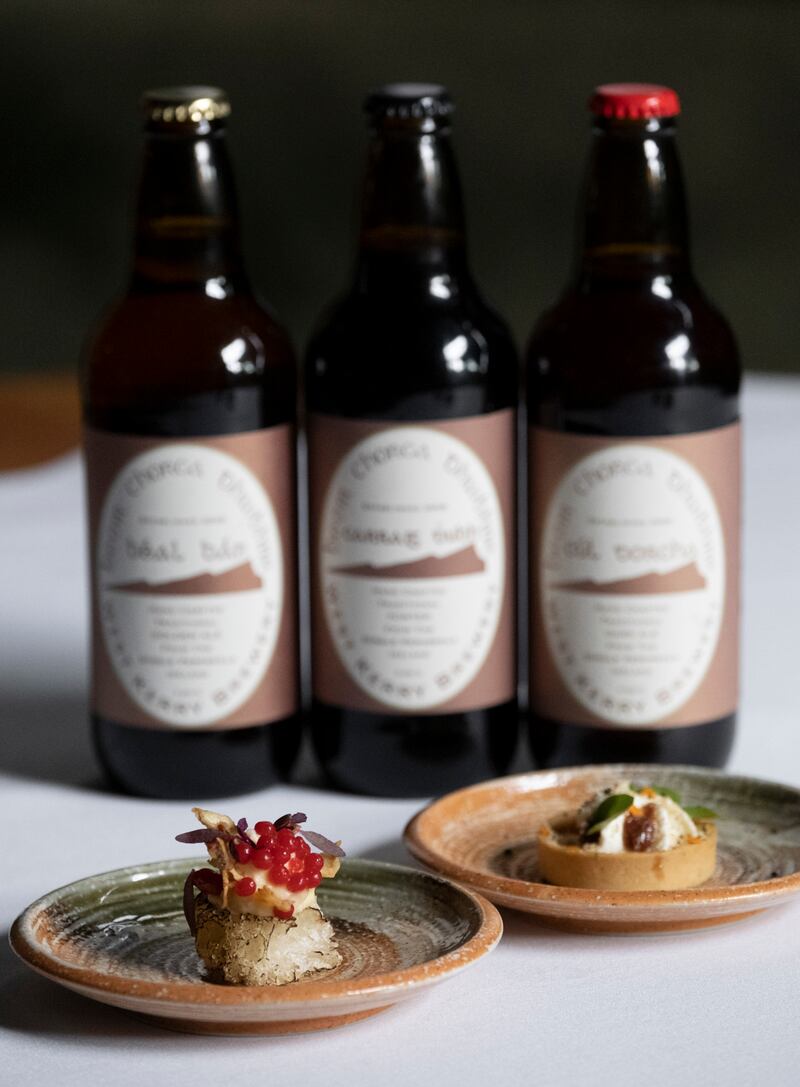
(719, 1007)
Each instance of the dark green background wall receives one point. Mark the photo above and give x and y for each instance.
(72, 73)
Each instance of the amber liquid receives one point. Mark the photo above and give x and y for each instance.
(156, 369)
(381, 356)
(598, 365)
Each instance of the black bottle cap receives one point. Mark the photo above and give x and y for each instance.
(408, 102)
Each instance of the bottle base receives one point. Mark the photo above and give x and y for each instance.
(172, 765)
(554, 743)
(399, 756)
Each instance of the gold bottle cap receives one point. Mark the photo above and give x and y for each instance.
(185, 105)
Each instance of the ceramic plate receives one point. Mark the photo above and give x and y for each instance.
(485, 838)
(121, 938)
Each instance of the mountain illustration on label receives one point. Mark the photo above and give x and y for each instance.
(456, 564)
(683, 579)
(237, 579)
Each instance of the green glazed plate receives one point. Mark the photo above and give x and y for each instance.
(121, 938)
(485, 837)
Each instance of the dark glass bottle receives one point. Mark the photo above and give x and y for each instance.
(411, 387)
(189, 392)
(633, 383)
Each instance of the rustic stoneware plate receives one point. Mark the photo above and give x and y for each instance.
(485, 838)
(121, 938)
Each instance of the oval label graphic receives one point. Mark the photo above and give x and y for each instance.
(412, 565)
(190, 582)
(632, 582)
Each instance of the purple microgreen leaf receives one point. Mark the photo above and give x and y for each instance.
(241, 826)
(192, 837)
(188, 903)
(290, 821)
(204, 834)
(204, 879)
(208, 881)
(322, 843)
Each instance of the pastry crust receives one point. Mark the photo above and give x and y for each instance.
(688, 864)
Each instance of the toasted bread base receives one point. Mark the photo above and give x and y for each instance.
(687, 865)
(242, 949)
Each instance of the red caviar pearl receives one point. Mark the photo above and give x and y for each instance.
(296, 882)
(285, 837)
(264, 827)
(278, 875)
(314, 879)
(245, 886)
(243, 851)
(261, 859)
(280, 856)
(315, 862)
(301, 846)
(283, 915)
(266, 841)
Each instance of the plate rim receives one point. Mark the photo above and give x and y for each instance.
(533, 893)
(307, 993)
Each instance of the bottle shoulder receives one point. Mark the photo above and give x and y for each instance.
(633, 362)
(361, 316)
(633, 335)
(184, 364)
(185, 338)
(376, 353)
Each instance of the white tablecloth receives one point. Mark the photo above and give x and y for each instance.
(714, 1008)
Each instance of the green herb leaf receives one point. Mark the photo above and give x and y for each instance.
(609, 809)
(659, 790)
(662, 791)
(699, 812)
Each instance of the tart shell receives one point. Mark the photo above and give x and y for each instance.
(687, 865)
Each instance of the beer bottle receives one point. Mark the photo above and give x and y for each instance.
(633, 383)
(189, 407)
(411, 390)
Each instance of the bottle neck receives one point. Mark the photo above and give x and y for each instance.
(634, 219)
(186, 233)
(412, 220)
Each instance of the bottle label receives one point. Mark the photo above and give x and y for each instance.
(413, 572)
(193, 570)
(634, 578)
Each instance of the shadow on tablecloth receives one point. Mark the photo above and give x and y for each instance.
(45, 737)
(34, 1005)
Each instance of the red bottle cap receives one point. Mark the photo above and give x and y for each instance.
(634, 101)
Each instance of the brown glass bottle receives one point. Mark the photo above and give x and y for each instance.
(411, 387)
(633, 383)
(189, 393)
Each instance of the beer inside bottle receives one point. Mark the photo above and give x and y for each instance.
(189, 407)
(411, 391)
(633, 383)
